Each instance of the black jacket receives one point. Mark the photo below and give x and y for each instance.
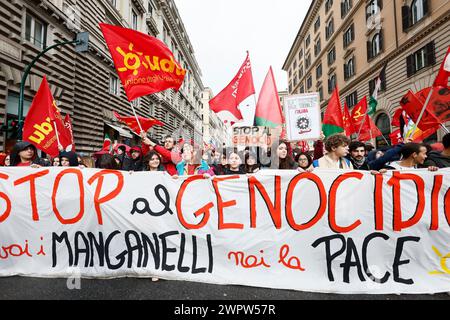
(20, 146)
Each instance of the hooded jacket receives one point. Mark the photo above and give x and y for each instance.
(20, 146)
(72, 156)
(130, 164)
(437, 159)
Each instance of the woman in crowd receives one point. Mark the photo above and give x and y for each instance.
(304, 161)
(56, 162)
(234, 164)
(192, 163)
(251, 165)
(152, 162)
(219, 168)
(285, 161)
(68, 159)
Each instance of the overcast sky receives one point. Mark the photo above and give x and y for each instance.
(221, 31)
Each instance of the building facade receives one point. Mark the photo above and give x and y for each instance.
(346, 43)
(214, 130)
(86, 85)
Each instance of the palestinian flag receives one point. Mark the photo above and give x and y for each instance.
(373, 100)
(268, 109)
(333, 121)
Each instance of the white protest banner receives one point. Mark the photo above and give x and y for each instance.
(325, 231)
(253, 136)
(302, 113)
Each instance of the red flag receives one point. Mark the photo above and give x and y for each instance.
(131, 122)
(439, 103)
(358, 113)
(68, 126)
(413, 105)
(444, 72)
(268, 109)
(39, 128)
(396, 137)
(226, 102)
(333, 121)
(395, 122)
(145, 64)
(369, 131)
(349, 128)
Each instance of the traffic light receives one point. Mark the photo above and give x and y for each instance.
(11, 127)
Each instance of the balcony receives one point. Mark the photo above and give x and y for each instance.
(151, 23)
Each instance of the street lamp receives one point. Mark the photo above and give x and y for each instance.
(82, 45)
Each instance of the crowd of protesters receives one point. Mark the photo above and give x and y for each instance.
(181, 159)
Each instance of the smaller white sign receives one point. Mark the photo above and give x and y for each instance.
(302, 114)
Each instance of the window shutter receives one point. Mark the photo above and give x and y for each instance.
(369, 50)
(430, 52)
(405, 18)
(353, 32)
(410, 65)
(380, 4)
(342, 9)
(425, 7)
(381, 40)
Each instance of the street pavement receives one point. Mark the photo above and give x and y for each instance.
(13, 288)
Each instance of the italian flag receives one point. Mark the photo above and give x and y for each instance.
(373, 100)
(333, 119)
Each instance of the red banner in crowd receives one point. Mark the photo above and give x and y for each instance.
(68, 125)
(225, 103)
(413, 105)
(131, 122)
(145, 64)
(39, 126)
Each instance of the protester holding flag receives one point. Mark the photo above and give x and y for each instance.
(336, 146)
(169, 157)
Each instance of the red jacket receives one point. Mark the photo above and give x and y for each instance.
(169, 159)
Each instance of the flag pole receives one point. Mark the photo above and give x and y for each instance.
(445, 129)
(421, 114)
(57, 134)
(135, 115)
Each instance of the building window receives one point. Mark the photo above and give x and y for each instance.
(308, 61)
(150, 8)
(328, 5)
(302, 89)
(349, 68)
(134, 20)
(352, 99)
(317, 24)
(346, 5)
(329, 30)
(419, 9)
(113, 3)
(375, 46)
(421, 59)
(320, 93)
(300, 54)
(295, 65)
(300, 72)
(331, 83)
(373, 8)
(318, 71)
(113, 85)
(309, 82)
(308, 40)
(35, 31)
(317, 48)
(384, 124)
(331, 56)
(349, 35)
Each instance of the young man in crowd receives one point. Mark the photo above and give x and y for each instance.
(357, 155)
(336, 146)
(413, 155)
